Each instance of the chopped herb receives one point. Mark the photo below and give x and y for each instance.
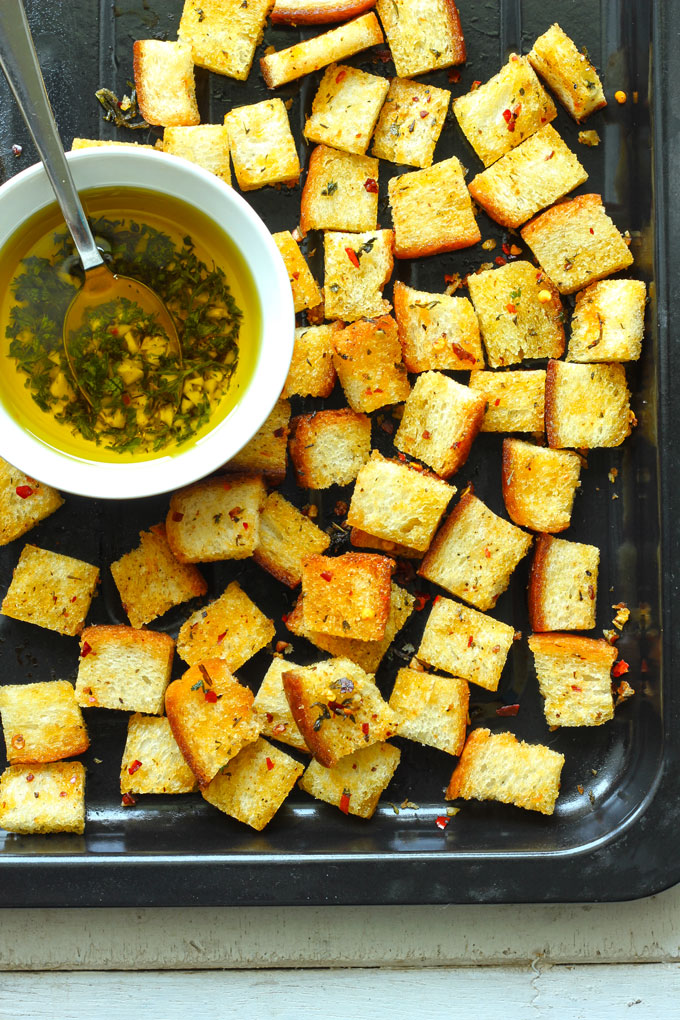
(330, 188)
(121, 112)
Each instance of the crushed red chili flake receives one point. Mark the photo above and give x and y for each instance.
(423, 113)
(575, 687)
(270, 764)
(128, 800)
(340, 76)
(279, 432)
(352, 256)
(496, 401)
(511, 308)
(344, 801)
(126, 399)
(475, 85)
(371, 186)
(24, 491)
(421, 601)
(487, 552)
(506, 710)
(135, 765)
(281, 727)
(211, 697)
(62, 793)
(453, 75)
(85, 650)
(74, 599)
(177, 516)
(221, 637)
(364, 729)
(30, 777)
(507, 116)
(426, 434)
(326, 575)
(442, 821)
(270, 717)
(500, 261)
(235, 511)
(245, 525)
(620, 667)
(284, 618)
(471, 641)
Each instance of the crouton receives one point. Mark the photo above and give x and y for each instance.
(42, 722)
(397, 503)
(362, 540)
(329, 447)
(272, 708)
(539, 485)
(345, 108)
(563, 585)
(223, 34)
(320, 51)
(569, 73)
(124, 668)
(338, 708)
(411, 122)
(432, 211)
(465, 643)
(514, 323)
(498, 766)
(206, 145)
(150, 580)
(431, 709)
(50, 590)
(286, 537)
(164, 80)
(43, 798)
(231, 628)
(474, 553)
(312, 372)
(574, 678)
(103, 143)
(252, 786)
(357, 267)
(367, 358)
(576, 243)
(511, 106)
(515, 401)
(314, 12)
(340, 193)
(608, 322)
(347, 596)
(306, 294)
(211, 717)
(354, 784)
(436, 331)
(441, 419)
(24, 502)
(586, 405)
(152, 761)
(217, 519)
(422, 34)
(266, 452)
(262, 146)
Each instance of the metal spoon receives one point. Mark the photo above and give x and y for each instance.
(19, 61)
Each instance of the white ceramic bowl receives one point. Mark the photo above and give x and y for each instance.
(30, 191)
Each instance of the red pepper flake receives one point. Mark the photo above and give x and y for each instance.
(500, 261)
(245, 525)
(128, 800)
(620, 667)
(453, 75)
(344, 801)
(221, 637)
(235, 512)
(279, 432)
(177, 517)
(475, 85)
(62, 793)
(442, 821)
(496, 401)
(30, 777)
(426, 434)
(284, 618)
(126, 399)
(402, 458)
(421, 601)
(423, 113)
(436, 599)
(210, 697)
(511, 308)
(135, 765)
(270, 717)
(592, 231)
(24, 491)
(364, 729)
(352, 256)
(326, 575)
(371, 186)
(506, 248)
(487, 552)
(281, 727)
(296, 276)
(270, 764)
(575, 687)
(471, 641)
(74, 599)
(85, 650)
(340, 76)
(506, 710)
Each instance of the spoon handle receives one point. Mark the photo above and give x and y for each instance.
(19, 61)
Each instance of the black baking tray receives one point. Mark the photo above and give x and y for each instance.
(614, 840)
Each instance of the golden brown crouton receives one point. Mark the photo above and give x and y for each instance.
(357, 267)
(99, 143)
(345, 108)
(266, 452)
(43, 798)
(207, 145)
(311, 372)
(223, 34)
(586, 405)
(431, 709)
(313, 54)
(465, 643)
(272, 708)
(124, 668)
(217, 519)
(355, 783)
(569, 73)
(329, 447)
(231, 628)
(315, 12)
(253, 785)
(574, 678)
(410, 122)
(50, 590)
(306, 294)
(362, 540)
(432, 211)
(340, 193)
(347, 596)
(539, 485)
(422, 34)
(262, 146)
(515, 401)
(286, 537)
(563, 585)
(152, 761)
(42, 722)
(436, 331)
(24, 502)
(164, 80)
(608, 322)
(367, 358)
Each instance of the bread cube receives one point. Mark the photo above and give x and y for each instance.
(465, 643)
(569, 73)
(252, 786)
(152, 761)
(355, 783)
(347, 596)
(367, 358)
(345, 108)
(50, 590)
(217, 519)
(357, 267)
(441, 419)
(311, 372)
(608, 322)
(272, 708)
(576, 243)
(498, 766)
(313, 12)
(511, 106)
(266, 452)
(539, 485)
(124, 668)
(436, 331)
(474, 553)
(586, 405)
(515, 401)
(422, 34)
(313, 54)
(43, 798)
(223, 34)
(206, 145)
(104, 143)
(231, 628)
(431, 709)
(306, 294)
(563, 585)
(164, 80)
(24, 502)
(432, 211)
(362, 540)
(329, 447)
(411, 122)
(574, 676)
(515, 324)
(286, 537)
(42, 722)
(340, 192)
(262, 145)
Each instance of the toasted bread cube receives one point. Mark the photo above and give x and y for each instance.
(586, 405)
(312, 372)
(422, 34)
(569, 73)
(432, 211)
(207, 145)
(411, 122)
(42, 722)
(211, 717)
(217, 519)
(262, 145)
(608, 322)
(252, 786)
(436, 331)
(286, 537)
(340, 193)
(272, 708)
(231, 628)
(514, 323)
(338, 708)
(43, 798)
(50, 590)
(576, 243)
(152, 761)
(329, 447)
(539, 485)
(266, 452)
(24, 502)
(124, 668)
(164, 80)
(441, 419)
(355, 783)
(317, 12)
(394, 501)
(223, 34)
(367, 358)
(511, 106)
(103, 143)
(357, 267)
(150, 580)
(431, 709)
(345, 108)
(320, 51)
(465, 643)
(498, 766)
(306, 294)
(347, 596)
(574, 678)
(362, 540)
(474, 553)
(515, 401)
(563, 585)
